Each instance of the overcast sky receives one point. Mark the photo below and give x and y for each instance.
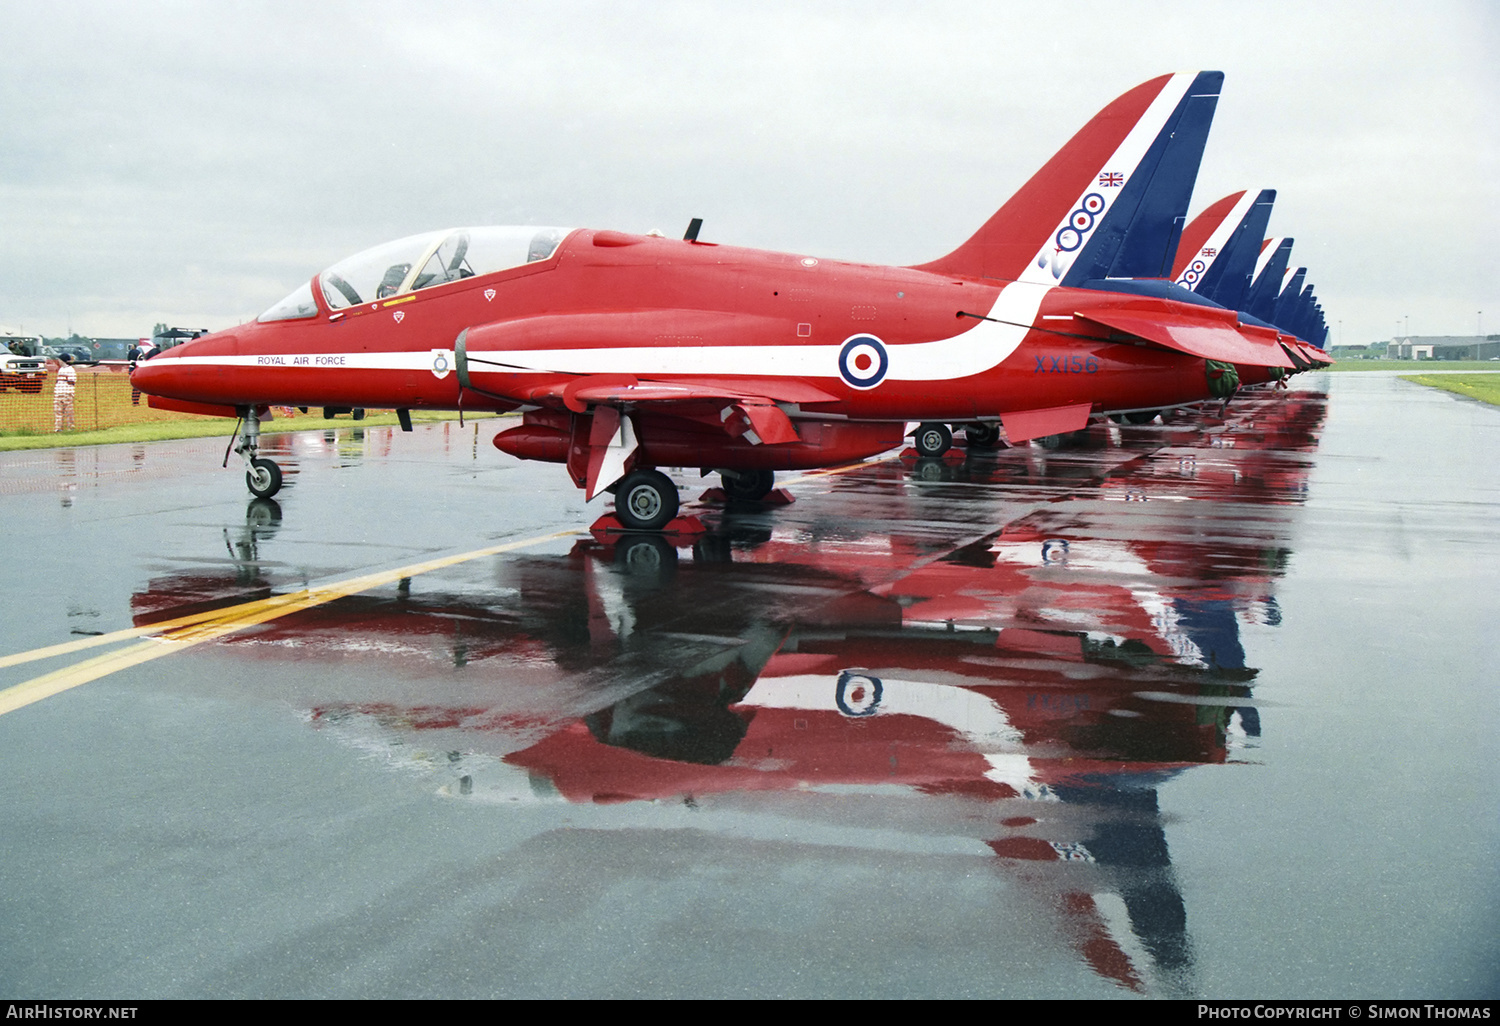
(194, 162)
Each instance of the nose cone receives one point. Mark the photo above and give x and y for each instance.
(180, 372)
(155, 376)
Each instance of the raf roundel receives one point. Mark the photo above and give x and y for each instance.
(863, 361)
(1068, 240)
(858, 694)
(1093, 203)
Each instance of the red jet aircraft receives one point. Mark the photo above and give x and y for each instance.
(631, 352)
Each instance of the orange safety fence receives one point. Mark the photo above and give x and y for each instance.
(102, 398)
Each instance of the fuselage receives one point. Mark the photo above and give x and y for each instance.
(825, 338)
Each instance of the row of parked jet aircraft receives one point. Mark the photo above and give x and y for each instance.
(1086, 295)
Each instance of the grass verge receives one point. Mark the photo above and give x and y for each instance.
(1406, 365)
(208, 427)
(1484, 387)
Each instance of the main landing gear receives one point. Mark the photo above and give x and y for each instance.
(646, 500)
(933, 439)
(982, 435)
(262, 476)
(747, 485)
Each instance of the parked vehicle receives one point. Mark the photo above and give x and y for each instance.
(25, 374)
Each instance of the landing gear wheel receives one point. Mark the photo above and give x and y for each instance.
(933, 439)
(749, 485)
(263, 478)
(1141, 416)
(982, 436)
(646, 500)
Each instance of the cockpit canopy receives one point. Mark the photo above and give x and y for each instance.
(420, 262)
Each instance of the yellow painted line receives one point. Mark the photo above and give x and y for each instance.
(169, 636)
(74, 646)
(808, 475)
(175, 635)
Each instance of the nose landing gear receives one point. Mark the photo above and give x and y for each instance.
(262, 476)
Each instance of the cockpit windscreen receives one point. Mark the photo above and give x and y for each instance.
(423, 261)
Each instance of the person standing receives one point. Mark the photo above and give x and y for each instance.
(62, 393)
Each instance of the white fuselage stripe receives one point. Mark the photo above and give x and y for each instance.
(984, 346)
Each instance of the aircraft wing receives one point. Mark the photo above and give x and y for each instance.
(1206, 336)
(591, 389)
(744, 405)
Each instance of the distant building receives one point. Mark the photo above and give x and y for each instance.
(1444, 347)
(112, 348)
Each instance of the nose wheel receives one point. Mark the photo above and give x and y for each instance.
(263, 478)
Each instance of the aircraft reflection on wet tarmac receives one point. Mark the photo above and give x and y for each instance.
(1021, 693)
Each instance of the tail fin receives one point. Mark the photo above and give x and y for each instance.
(1112, 202)
(1220, 265)
(1305, 318)
(1286, 303)
(1270, 273)
(1203, 234)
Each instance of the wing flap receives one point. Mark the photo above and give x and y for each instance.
(1023, 425)
(1196, 337)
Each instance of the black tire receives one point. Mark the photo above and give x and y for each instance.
(1141, 416)
(263, 478)
(749, 485)
(982, 436)
(933, 439)
(646, 500)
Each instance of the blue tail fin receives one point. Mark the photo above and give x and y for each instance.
(1137, 237)
(1227, 280)
(1286, 303)
(1271, 269)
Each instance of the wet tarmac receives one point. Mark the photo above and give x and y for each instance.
(1205, 708)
